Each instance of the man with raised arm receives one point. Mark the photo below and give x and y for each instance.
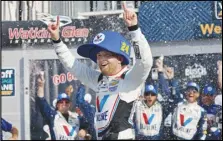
(116, 85)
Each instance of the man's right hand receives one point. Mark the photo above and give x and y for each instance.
(169, 72)
(159, 65)
(53, 29)
(69, 90)
(40, 79)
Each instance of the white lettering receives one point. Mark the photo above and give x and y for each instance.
(7, 87)
(148, 127)
(195, 71)
(7, 74)
(183, 129)
(62, 137)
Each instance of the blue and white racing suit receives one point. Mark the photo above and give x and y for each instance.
(149, 121)
(113, 91)
(189, 122)
(60, 128)
(87, 109)
(146, 120)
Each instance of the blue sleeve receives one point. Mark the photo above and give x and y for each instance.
(88, 112)
(175, 90)
(84, 106)
(202, 126)
(164, 84)
(6, 126)
(83, 122)
(80, 96)
(45, 108)
(87, 109)
(165, 89)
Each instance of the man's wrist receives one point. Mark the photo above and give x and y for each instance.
(133, 28)
(56, 41)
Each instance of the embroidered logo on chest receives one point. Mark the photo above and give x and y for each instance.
(148, 119)
(183, 121)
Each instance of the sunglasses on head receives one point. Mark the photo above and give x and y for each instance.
(64, 100)
(149, 93)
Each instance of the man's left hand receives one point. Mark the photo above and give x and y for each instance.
(129, 16)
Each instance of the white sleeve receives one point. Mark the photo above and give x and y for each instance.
(84, 73)
(131, 116)
(140, 71)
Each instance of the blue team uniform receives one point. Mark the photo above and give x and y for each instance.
(189, 120)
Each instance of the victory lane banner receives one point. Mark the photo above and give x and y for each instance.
(7, 82)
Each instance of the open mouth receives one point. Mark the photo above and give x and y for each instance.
(149, 101)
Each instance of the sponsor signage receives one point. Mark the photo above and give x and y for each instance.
(8, 82)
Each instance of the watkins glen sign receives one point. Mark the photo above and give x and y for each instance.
(42, 33)
(73, 32)
(35, 32)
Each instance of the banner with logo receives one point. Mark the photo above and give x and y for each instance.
(73, 32)
(200, 68)
(159, 21)
(7, 82)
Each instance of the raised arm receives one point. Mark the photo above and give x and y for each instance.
(140, 71)
(80, 96)
(45, 108)
(165, 91)
(83, 72)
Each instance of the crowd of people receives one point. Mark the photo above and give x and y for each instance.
(127, 107)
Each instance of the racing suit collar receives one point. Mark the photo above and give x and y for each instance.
(144, 103)
(61, 115)
(191, 104)
(120, 72)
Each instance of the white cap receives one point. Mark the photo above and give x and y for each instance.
(87, 97)
(54, 103)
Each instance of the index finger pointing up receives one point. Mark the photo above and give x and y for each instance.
(58, 20)
(124, 6)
